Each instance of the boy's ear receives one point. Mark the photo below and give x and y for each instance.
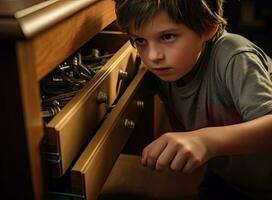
(210, 33)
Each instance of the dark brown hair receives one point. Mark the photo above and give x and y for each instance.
(198, 15)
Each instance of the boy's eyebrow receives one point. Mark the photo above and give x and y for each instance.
(132, 35)
(159, 33)
(169, 30)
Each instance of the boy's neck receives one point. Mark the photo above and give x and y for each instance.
(190, 75)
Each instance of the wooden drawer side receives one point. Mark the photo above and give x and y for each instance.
(98, 158)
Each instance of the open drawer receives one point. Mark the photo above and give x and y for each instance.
(95, 163)
(71, 129)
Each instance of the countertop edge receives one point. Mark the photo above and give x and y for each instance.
(26, 24)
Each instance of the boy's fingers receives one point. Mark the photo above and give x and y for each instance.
(143, 160)
(144, 154)
(178, 162)
(152, 152)
(166, 157)
(191, 165)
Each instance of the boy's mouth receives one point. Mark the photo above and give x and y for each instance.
(160, 71)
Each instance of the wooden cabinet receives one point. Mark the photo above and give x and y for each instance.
(35, 37)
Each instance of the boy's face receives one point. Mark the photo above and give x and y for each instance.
(168, 50)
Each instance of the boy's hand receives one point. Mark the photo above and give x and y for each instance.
(178, 151)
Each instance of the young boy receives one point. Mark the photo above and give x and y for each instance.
(217, 84)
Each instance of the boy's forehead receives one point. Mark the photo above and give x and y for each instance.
(159, 22)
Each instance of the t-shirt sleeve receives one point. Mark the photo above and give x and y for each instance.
(248, 79)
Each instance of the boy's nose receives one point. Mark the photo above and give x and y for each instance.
(155, 53)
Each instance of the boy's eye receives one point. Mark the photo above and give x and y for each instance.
(139, 41)
(168, 37)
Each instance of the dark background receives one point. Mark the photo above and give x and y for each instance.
(252, 19)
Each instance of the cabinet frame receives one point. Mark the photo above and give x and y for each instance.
(25, 59)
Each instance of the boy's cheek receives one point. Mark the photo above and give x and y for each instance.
(145, 65)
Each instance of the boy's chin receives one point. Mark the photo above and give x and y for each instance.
(167, 78)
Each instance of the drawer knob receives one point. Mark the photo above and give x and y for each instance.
(140, 104)
(129, 123)
(122, 74)
(102, 97)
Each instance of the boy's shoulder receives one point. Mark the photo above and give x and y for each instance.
(229, 45)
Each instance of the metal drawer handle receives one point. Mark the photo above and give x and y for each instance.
(102, 97)
(129, 123)
(140, 104)
(122, 74)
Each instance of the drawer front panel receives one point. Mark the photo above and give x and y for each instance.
(95, 163)
(71, 129)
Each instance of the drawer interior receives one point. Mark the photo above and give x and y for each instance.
(107, 41)
(75, 123)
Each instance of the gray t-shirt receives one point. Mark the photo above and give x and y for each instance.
(232, 85)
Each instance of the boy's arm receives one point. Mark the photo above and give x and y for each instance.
(186, 151)
(249, 137)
